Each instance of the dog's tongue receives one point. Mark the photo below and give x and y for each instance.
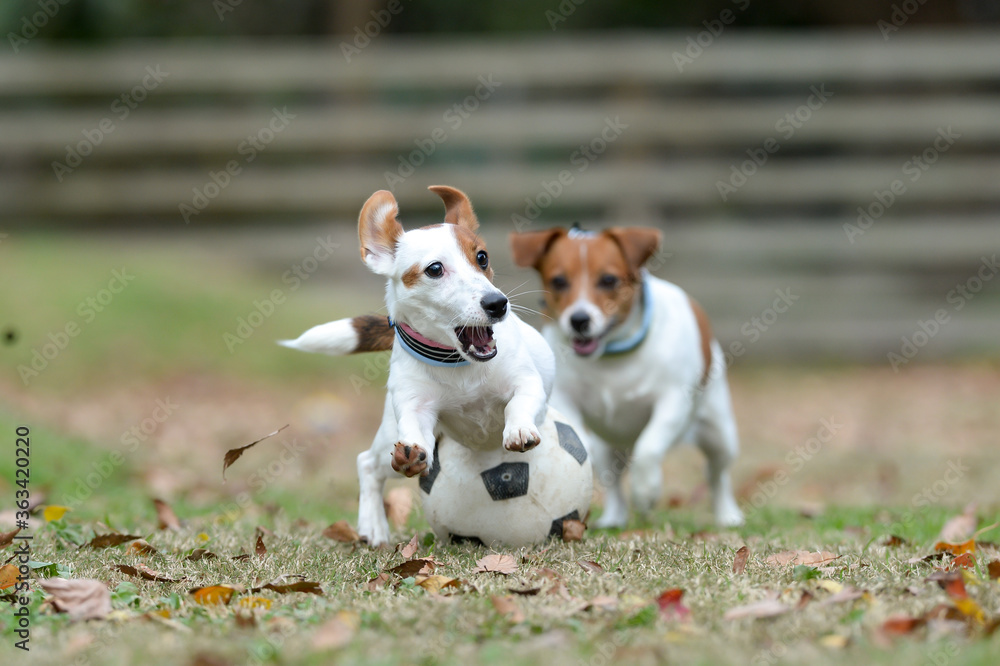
(478, 341)
(585, 346)
(479, 336)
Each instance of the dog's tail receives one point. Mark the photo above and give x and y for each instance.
(345, 336)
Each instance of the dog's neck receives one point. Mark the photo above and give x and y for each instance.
(633, 331)
(424, 349)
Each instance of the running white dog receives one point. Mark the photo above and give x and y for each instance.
(462, 364)
(637, 362)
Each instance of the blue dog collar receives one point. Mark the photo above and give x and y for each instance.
(436, 356)
(634, 340)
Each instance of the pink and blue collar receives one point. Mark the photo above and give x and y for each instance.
(426, 350)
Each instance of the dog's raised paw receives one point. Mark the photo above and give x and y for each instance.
(521, 439)
(409, 459)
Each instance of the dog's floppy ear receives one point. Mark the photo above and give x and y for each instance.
(457, 207)
(529, 247)
(637, 243)
(378, 231)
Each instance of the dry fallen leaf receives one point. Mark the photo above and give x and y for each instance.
(409, 549)
(200, 554)
(7, 538)
(434, 584)
(759, 609)
(255, 602)
(418, 567)
(166, 519)
(798, 557)
(970, 609)
(994, 569)
(232, 455)
(591, 567)
(337, 632)
(952, 582)
(671, 607)
(145, 573)
(507, 607)
(961, 527)
(956, 548)
(215, 594)
(307, 586)
(398, 504)
(259, 549)
(111, 540)
(9, 574)
(81, 598)
(893, 541)
(901, 625)
(740, 561)
(964, 561)
(140, 548)
(341, 531)
(572, 530)
(496, 563)
(378, 582)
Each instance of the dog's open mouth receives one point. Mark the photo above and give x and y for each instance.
(477, 342)
(585, 346)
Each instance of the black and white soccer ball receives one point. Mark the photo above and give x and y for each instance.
(504, 497)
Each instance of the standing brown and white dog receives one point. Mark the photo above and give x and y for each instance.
(635, 362)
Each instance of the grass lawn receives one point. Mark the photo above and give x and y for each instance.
(146, 397)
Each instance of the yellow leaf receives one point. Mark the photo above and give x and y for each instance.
(214, 594)
(204, 538)
(54, 512)
(8, 575)
(971, 609)
(255, 602)
(435, 584)
(956, 548)
(835, 641)
(163, 612)
(830, 585)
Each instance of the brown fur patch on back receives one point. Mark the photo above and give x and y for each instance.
(471, 244)
(374, 333)
(705, 331)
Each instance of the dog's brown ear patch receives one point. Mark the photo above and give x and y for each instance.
(637, 243)
(529, 247)
(457, 207)
(379, 230)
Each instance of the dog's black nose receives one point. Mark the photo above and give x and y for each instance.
(580, 321)
(495, 305)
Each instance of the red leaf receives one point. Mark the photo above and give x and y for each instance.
(671, 607)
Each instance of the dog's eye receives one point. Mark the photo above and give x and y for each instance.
(559, 283)
(435, 270)
(607, 281)
(483, 259)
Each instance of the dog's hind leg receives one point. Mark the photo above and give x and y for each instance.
(717, 438)
(609, 464)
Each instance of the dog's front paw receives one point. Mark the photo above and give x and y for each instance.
(409, 459)
(521, 438)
